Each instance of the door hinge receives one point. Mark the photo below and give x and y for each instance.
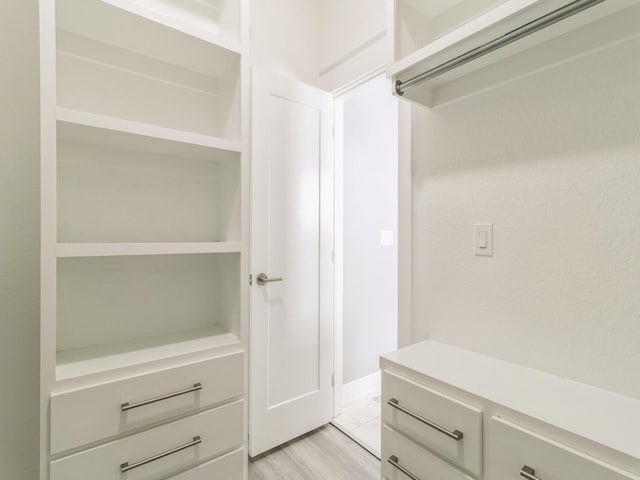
(333, 256)
(333, 131)
(333, 380)
(250, 279)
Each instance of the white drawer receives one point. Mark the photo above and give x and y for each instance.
(513, 448)
(91, 414)
(219, 430)
(433, 407)
(417, 461)
(227, 467)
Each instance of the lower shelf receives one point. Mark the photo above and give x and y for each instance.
(95, 359)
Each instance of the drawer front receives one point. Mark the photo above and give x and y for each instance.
(440, 411)
(90, 414)
(420, 463)
(218, 430)
(513, 448)
(227, 467)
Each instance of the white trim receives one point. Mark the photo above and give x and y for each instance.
(352, 53)
(405, 215)
(361, 388)
(359, 81)
(338, 258)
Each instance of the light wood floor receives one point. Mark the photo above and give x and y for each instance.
(325, 453)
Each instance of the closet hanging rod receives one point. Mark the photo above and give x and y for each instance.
(522, 31)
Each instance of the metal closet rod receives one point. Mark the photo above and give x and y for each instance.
(533, 26)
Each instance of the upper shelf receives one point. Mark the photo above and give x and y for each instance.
(120, 59)
(602, 24)
(181, 29)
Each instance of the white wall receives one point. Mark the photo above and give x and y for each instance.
(553, 161)
(370, 205)
(353, 40)
(325, 43)
(19, 240)
(285, 37)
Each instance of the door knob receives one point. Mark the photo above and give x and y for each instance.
(263, 279)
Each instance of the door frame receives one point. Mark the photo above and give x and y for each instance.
(404, 228)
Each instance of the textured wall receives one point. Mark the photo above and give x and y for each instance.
(553, 161)
(19, 240)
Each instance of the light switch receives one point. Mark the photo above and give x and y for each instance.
(483, 239)
(386, 238)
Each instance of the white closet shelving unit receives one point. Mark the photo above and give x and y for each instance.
(428, 34)
(144, 203)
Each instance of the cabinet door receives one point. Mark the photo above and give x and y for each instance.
(415, 410)
(227, 467)
(517, 453)
(160, 451)
(400, 455)
(90, 414)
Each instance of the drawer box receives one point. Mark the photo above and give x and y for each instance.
(90, 414)
(219, 430)
(420, 462)
(513, 448)
(446, 412)
(227, 467)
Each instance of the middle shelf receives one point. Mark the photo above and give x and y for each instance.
(127, 182)
(72, 250)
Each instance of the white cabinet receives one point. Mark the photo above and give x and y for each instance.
(467, 416)
(404, 457)
(159, 451)
(450, 428)
(517, 451)
(227, 467)
(94, 413)
(144, 237)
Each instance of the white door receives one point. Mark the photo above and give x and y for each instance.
(291, 356)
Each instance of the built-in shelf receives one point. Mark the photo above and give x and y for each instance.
(125, 182)
(606, 23)
(159, 19)
(70, 250)
(125, 59)
(101, 358)
(89, 127)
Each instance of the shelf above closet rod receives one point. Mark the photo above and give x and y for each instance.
(514, 35)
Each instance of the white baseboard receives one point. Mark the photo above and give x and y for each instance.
(361, 388)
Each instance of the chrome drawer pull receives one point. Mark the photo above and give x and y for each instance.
(129, 406)
(528, 473)
(456, 434)
(393, 460)
(125, 467)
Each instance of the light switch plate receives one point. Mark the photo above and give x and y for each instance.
(483, 239)
(386, 238)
